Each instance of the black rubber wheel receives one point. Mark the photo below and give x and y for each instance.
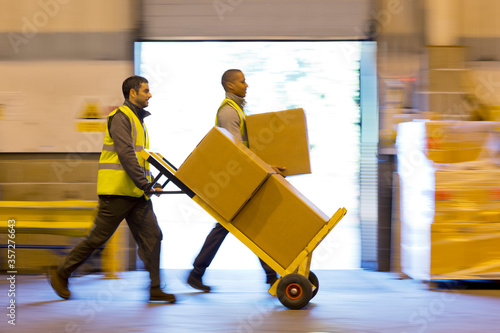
(315, 282)
(294, 291)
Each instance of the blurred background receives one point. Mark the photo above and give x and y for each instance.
(401, 99)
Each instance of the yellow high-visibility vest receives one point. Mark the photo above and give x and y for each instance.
(241, 114)
(112, 179)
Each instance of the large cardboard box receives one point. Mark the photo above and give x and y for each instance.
(280, 138)
(280, 220)
(449, 57)
(466, 196)
(465, 250)
(450, 248)
(223, 172)
(455, 142)
(446, 81)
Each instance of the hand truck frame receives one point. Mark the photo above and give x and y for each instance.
(297, 285)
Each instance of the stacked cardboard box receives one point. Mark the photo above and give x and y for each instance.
(223, 172)
(280, 138)
(455, 142)
(443, 76)
(280, 220)
(245, 191)
(467, 196)
(465, 249)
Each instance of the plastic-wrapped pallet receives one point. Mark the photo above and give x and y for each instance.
(450, 199)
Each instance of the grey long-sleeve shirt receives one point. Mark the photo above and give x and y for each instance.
(119, 129)
(228, 118)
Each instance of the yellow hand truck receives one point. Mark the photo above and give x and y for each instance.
(297, 285)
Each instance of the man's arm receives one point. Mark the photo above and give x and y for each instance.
(120, 130)
(228, 118)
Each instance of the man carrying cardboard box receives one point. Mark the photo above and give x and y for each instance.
(231, 117)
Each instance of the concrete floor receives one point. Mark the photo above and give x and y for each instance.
(347, 301)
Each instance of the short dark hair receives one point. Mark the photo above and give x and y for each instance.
(133, 82)
(229, 76)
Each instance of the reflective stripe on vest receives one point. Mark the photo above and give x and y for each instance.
(112, 179)
(241, 115)
(114, 166)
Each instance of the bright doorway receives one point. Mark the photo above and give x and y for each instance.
(322, 77)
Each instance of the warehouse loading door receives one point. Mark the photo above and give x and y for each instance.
(322, 77)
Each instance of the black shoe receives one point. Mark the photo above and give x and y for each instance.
(156, 294)
(197, 284)
(271, 279)
(58, 283)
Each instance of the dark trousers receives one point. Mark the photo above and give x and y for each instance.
(138, 212)
(210, 248)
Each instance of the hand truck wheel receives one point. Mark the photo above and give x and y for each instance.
(294, 291)
(315, 282)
